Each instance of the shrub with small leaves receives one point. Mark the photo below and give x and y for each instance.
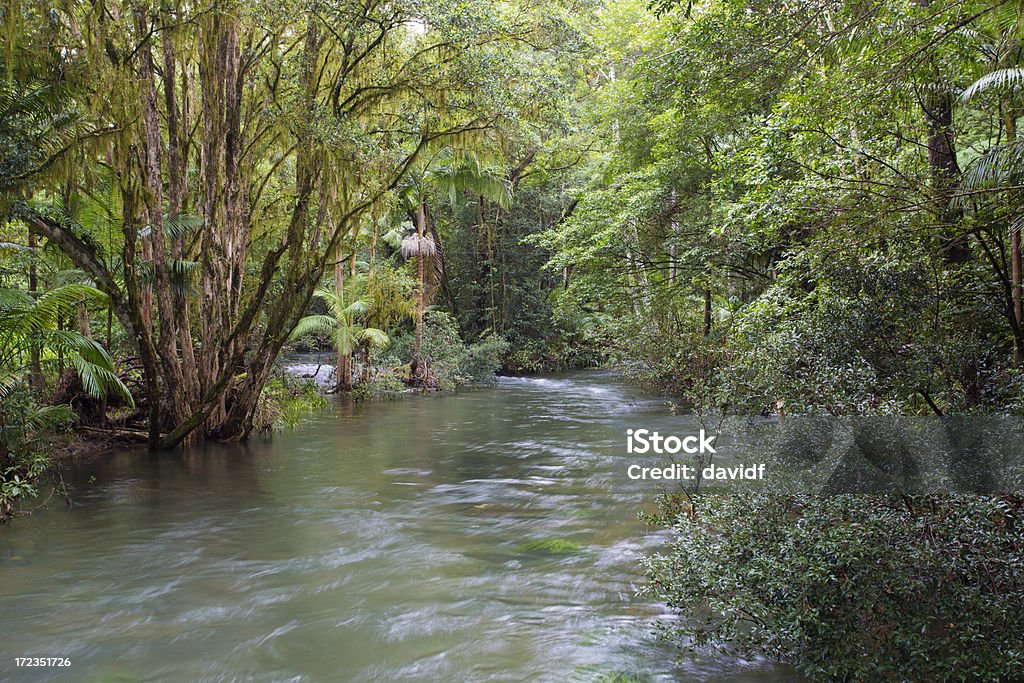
(850, 587)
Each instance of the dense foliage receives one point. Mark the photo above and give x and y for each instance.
(210, 167)
(850, 587)
(812, 203)
(758, 206)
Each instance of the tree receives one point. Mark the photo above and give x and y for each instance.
(448, 171)
(345, 325)
(262, 120)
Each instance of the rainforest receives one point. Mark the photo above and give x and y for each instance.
(324, 325)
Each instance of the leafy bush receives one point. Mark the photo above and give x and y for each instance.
(451, 363)
(27, 432)
(285, 400)
(443, 350)
(482, 360)
(379, 385)
(850, 587)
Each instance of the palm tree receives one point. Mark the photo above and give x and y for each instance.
(29, 334)
(348, 333)
(448, 172)
(38, 125)
(1003, 165)
(26, 322)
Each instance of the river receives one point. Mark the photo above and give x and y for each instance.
(387, 541)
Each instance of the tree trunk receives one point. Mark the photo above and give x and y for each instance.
(367, 358)
(82, 320)
(137, 323)
(945, 171)
(421, 303)
(155, 246)
(343, 368)
(343, 381)
(707, 311)
(1015, 252)
(35, 367)
(177, 201)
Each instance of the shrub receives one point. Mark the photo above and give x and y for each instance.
(27, 433)
(379, 385)
(482, 360)
(285, 400)
(850, 587)
(443, 350)
(450, 361)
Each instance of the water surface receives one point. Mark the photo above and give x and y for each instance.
(378, 542)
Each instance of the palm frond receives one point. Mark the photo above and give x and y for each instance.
(375, 337)
(70, 276)
(76, 343)
(313, 324)
(334, 303)
(182, 274)
(1001, 79)
(393, 238)
(1007, 18)
(346, 338)
(1001, 165)
(49, 417)
(20, 314)
(182, 225)
(14, 299)
(8, 381)
(357, 307)
(99, 381)
(414, 245)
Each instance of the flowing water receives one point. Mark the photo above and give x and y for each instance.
(378, 542)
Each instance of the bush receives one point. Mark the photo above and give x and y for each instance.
(482, 360)
(27, 435)
(285, 400)
(850, 587)
(379, 385)
(451, 363)
(443, 350)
